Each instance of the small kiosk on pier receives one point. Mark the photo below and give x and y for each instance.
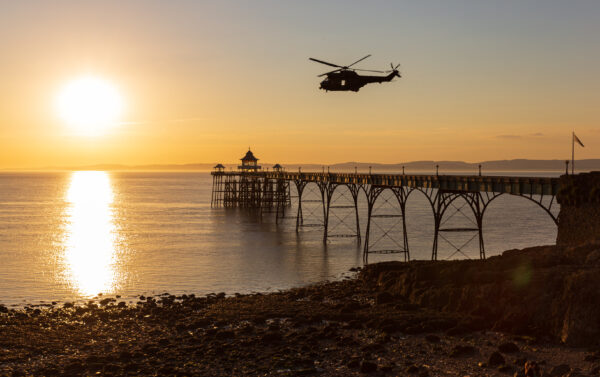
(248, 188)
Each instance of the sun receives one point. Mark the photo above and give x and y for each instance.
(90, 105)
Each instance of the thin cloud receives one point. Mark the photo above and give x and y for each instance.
(517, 137)
(510, 137)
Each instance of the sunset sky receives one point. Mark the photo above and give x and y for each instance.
(202, 81)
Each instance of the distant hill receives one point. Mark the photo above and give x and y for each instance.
(417, 166)
(496, 165)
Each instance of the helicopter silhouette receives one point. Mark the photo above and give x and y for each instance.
(345, 78)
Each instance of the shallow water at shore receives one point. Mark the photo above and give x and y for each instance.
(69, 236)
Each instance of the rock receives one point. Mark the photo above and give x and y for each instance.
(74, 368)
(508, 347)
(354, 363)
(226, 334)
(593, 257)
(591, 357)
(389, 326)
(351, 307)
(575, 373)
(383, 298)
(496, 359)
(105, 301)
(412, 369)
(520, 362)
(386, 368)
(560, 370)
(271, 337)
(305, 372)
(458, 330)
(368, 367)
(462, 350)
(531, 369)
(432, 338)
(354, 324)
(507, 369)
(125, 356)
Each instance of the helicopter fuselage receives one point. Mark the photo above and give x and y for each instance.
(348, 80)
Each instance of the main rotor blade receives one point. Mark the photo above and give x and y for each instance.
(367, 70)
(322, 62)
(326, 73)
(359, 60)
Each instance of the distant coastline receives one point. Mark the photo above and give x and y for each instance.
(412, 166)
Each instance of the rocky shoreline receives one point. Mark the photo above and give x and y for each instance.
(520, 314)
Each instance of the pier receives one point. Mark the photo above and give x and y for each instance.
(270, 192)
(448, 195)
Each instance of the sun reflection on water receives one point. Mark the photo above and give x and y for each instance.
(90, 252)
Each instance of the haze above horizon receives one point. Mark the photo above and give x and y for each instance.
(200, 81)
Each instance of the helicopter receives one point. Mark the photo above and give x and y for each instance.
(345, 78)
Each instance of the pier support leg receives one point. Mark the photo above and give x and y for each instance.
(355, 189)
(300, 185)
(436, 232)
(325, 188)
(368, 230)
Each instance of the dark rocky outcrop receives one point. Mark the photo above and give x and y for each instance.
(544, 291)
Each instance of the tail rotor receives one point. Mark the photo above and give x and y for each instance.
(394, 69)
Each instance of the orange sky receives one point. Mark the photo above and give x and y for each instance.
(203, 81)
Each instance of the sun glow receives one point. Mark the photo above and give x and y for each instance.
(90, 251)
(90, 105)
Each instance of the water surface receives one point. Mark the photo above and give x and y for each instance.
(71, 235)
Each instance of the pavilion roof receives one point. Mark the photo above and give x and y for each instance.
(249, 156)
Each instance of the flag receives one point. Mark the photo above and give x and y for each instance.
(575, 138)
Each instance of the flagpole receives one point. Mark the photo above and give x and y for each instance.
(573, 153)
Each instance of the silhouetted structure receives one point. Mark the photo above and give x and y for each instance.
(249, 162)
(247, 189)
(271, 190)
(345, 78)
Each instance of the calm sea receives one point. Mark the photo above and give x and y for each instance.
(71, 235)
